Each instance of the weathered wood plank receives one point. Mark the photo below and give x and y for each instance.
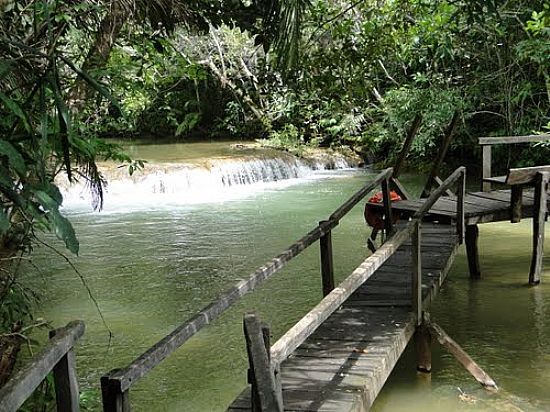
(388, 218)
(471, 366)
(516, 203)
(513, 139)
(266, 395)
(416, 280)
(486, 168)
(538, 227)
(16, 391)
(472, 235)
(525, 175)
(423, 348)
(327, 265)
(67, 396)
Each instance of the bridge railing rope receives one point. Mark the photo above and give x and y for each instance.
(115, 386)
(265, 361)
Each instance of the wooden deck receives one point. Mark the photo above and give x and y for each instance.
(343, 365)
(479, 207)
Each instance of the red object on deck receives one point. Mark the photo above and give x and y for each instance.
(373, 215)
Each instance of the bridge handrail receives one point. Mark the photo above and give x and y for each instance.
(489, 141)
(116, 384)
(297, 334)
(58, 356)
(486, 159)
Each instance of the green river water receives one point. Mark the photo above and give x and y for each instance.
(153, 264)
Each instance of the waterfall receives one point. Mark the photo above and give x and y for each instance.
(213, 180)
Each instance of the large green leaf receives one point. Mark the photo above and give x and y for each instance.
(47, 202)
(14, 157)
(65, 231)
(15, 109)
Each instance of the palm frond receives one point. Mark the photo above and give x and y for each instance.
(287, 41)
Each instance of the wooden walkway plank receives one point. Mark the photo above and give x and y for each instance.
(480, 207)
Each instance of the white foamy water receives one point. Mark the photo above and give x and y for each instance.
(217, 180)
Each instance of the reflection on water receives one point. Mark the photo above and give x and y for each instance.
(152, 269)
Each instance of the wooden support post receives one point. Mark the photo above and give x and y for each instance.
(423, 347)
(416, 291)
(460, 355)
(114, 399)
(516, 203)
(472, 235)
(66, 382)
(539, 217)
(266, 393)
(448, 192)
(447, 138)
(327, 264)
(486, 168)
(396, 185)
(461, 194)
(388, 216)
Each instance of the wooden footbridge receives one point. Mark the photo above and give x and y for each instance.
(339, 355)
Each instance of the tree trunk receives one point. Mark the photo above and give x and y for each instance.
(99, 53)
(10, 345)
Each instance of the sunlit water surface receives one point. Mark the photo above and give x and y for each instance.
(153, 266)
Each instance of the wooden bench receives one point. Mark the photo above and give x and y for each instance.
(486, 144)
(518, 176)
(517, 179)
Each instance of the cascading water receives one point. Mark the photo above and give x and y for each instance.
(168, 184)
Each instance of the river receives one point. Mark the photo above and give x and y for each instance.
(154, 257)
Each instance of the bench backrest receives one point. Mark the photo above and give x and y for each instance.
(524, 175)
(486, 144)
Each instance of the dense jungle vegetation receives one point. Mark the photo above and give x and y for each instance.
(290, 72)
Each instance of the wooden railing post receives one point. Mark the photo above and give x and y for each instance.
(461, 193)
(327, 265)
(114, 399)
(56, 355)
(423, 348)
(388, 217)
(539, 217)
(266, 392)
(66, 382)
(472, 236)
(486, 168)
(416, 291)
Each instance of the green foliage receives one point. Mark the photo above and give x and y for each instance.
(43, 398)
(41, 142)
(368, 68)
